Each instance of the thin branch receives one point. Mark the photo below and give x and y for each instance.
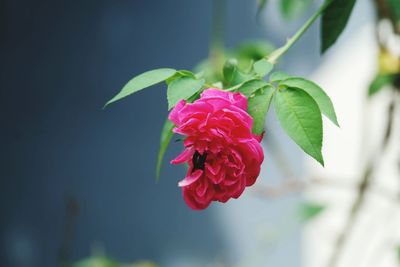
(286, 187)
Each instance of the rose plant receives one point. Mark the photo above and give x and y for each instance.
(220, 109)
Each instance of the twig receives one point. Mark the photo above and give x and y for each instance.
(288, 186)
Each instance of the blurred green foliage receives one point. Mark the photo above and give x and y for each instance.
(245, 55)
(309, 210)
(102, 261)
(398, 253)
(291, 9)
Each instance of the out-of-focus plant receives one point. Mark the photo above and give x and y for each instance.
(398, 253)
(289, 9)
(102, 261)
(247, 71)
(388, 21)
(387, 77)
(297, 101)
(310, 210)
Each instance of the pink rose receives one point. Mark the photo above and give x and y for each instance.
(222, 153)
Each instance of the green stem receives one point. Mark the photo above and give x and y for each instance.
(274, 56)
(217, 34)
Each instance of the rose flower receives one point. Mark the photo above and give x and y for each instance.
(222, 154)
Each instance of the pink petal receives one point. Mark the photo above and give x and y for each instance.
(174, 114)
(213, 169)
(195, 203)
(185, 156)
(213, 92)
(239, 100)
(236, 99)
(191, 178)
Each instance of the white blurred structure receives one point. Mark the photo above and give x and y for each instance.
(345, 74)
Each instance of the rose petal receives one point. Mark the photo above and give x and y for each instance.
(174, 114)
(190, 179)
(186, 155)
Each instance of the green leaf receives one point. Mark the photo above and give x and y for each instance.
(293, 8)
(278, 76)
(179, 74)
(334, 20)
(182, 88)
(232, 74)
(300, 117)
(258, 106)
(262, 67)
(143, 81)
(166, 136)
(316, 92)
(380, 81)
(394, 8)
(249, 87)
(186, 73)
(309, 210)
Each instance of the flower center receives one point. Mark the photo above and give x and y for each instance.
(198, 161)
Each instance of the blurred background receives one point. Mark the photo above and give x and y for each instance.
(79, 181)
